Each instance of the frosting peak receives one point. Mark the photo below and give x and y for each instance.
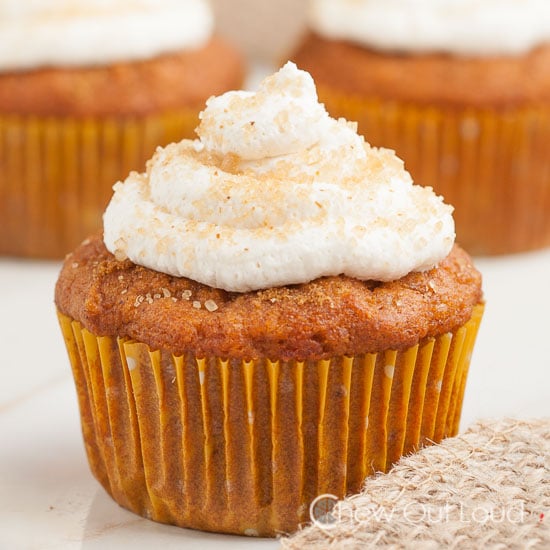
(464, 27)
(281, 118)
(292, 197)
(36, 33)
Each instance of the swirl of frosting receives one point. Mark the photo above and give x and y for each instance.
(464, 27)
(276, 192)
(37, 33)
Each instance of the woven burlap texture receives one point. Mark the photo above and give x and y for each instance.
(487, 488)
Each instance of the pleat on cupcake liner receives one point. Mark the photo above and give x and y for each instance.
(245, 446)
(493, 166)
(56, 174)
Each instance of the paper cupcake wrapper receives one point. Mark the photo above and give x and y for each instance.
(492, 166)
(56, 174)
(245, 446)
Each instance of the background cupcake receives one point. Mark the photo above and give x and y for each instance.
(282, 311)
(461, 90)
(88, 89)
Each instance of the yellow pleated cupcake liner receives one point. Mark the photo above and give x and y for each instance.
(245, 446)
(493, 166)
(56, 174)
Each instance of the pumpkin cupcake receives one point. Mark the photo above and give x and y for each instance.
(461, 91)
(273, 312)
(88, 89)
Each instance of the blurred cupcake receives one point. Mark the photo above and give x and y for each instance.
(461, 91)
(274, 312)
(88, 89)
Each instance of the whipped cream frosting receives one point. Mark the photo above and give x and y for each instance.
(464, 27)
(36, 33)
(275, 192)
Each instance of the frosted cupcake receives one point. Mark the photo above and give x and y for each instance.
(88, 89)
(461, 90)
(274, 312)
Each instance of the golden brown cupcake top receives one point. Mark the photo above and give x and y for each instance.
(168, 81)
(327, 317)
(486, 81)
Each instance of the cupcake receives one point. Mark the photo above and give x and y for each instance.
(461, 91)
(88, 89)
(274, 311)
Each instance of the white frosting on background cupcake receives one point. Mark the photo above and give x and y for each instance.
(36, 33)
(468, 27)
(276, 192)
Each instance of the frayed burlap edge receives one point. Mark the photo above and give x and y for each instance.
(486, 488)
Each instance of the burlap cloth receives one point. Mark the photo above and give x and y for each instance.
(487, 488)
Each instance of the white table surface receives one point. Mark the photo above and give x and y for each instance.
(49, 499)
